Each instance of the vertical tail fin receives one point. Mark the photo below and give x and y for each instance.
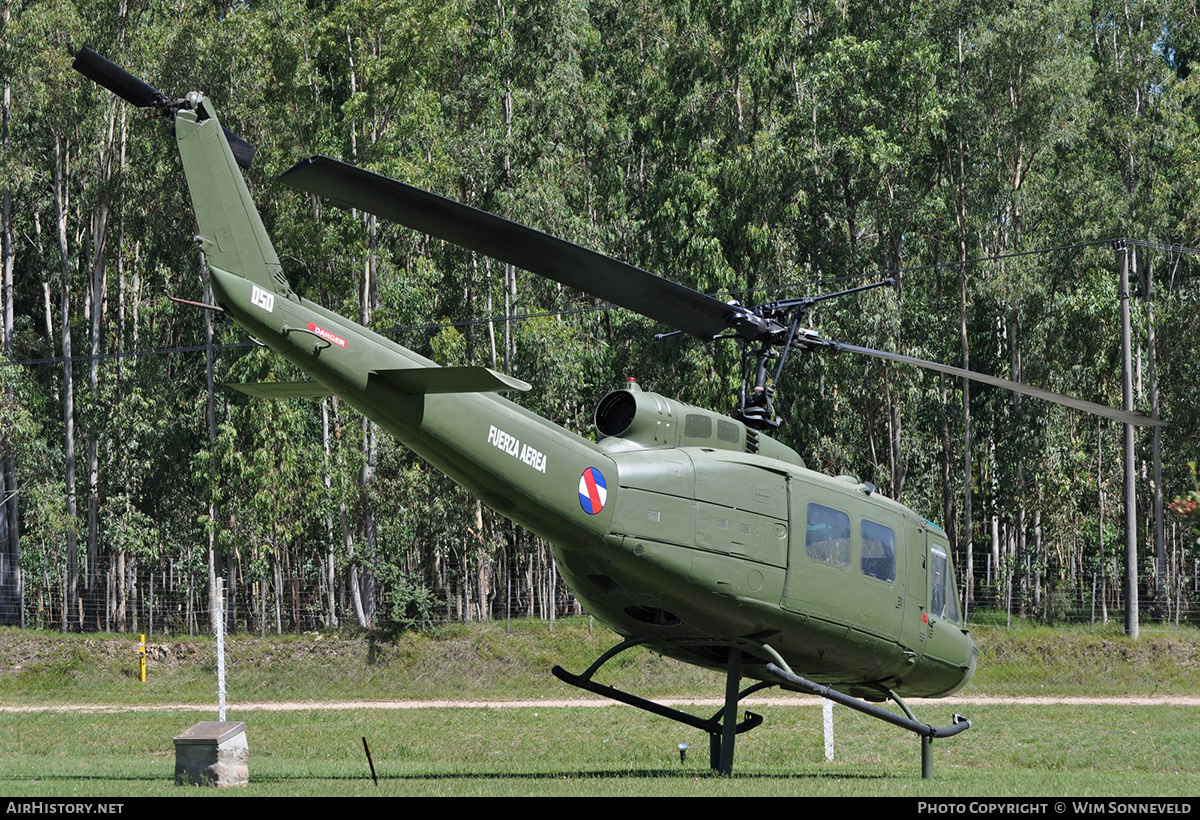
(230, 228)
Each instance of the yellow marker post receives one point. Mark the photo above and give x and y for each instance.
(142, 657)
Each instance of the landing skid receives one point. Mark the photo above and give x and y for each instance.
(909, 721)
(723, 727)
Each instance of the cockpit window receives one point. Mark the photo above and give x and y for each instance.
(943, 595)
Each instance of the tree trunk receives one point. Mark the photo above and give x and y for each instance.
(960, 216)
(12, 611)
(360, 615)
(1162, 590)
(97, 289)
(331, 617)
(61, 202)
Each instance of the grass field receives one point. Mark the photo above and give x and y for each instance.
(1045, 749)
(1052, 751)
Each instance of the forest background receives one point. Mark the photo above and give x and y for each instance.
(986, 154)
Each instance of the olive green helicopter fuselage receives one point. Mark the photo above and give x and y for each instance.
(680, 525)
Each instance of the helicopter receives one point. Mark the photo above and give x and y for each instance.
(693, 533)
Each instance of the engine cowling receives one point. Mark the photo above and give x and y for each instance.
(641, 419)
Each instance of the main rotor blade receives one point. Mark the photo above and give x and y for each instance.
(602, 276)
(116, 79)
(1136, 419)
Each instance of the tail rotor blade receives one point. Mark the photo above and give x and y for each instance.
(105, 72)
(243, 152)
(117, 80)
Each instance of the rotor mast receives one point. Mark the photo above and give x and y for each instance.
(755, 406)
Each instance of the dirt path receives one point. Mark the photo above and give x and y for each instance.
(299, 706)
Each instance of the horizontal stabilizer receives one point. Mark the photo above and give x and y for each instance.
(283, 390)
(420, 380)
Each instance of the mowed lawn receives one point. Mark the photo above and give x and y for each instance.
(1044, 748)
(1011, 751)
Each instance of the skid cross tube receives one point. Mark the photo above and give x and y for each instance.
(722, 727)
(907, 721)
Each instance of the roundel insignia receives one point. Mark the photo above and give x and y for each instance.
(593, 491)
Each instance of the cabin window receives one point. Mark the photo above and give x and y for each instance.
(828, 535)
(727, 431)
(697, 426)
(878, 555)
(943, 596)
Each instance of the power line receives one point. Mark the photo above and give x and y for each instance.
(129, 354)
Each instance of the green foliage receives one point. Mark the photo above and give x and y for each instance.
(752, 150)
(1060, 745)
(406, 606)
(1189, 507)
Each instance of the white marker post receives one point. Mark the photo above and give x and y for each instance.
(219, 623)
(827, 720)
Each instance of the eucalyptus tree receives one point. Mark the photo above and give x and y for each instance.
(745, 149)
(11, 609)
(1021, 96)
(50, 118)
(1145, 124)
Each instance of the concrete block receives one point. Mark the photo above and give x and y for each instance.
(213, 753)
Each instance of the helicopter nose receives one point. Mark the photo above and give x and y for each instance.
(970, 671)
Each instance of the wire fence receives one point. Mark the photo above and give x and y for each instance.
(172, 599)
(1070, 701)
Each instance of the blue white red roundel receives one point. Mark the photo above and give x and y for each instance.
(593, 491)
